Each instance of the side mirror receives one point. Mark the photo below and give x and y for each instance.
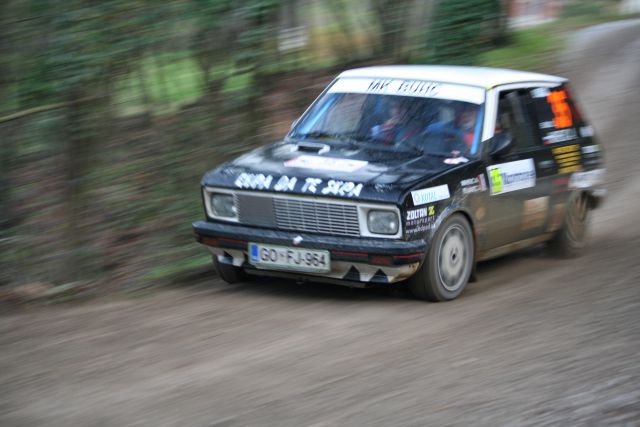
(501, 144)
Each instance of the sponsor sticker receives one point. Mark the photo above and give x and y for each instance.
(586, 132)
(534, 212)
(401, 87)
(254, 181)
(430, 195)
(586, 179)
(591, 155)
(562, 116)
(420, 220)
(473, 185)
(421, 213)
(590, 149)
(540, 92)
(258, 181)
(342, 188)
(511, 176)
(326, 163)
(568, 158)
(560, 135)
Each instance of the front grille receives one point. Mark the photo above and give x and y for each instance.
(298, 214)
(316, 217)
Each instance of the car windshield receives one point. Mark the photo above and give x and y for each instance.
(442, 121)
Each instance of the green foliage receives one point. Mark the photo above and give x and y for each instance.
(530, 49)
(462, 29)
(584, 8)
(172, 81)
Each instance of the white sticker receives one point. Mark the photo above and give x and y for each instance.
(511, 176)
(418, 88)
(540, 92)
(342, 188)
(326, 163)
(311, 185)
(586, 131)
(473, 185)
(253, 181)
(456, 160)
(430, 195)
(561, 135)
(586, 179)
(590, 149)
(285, 183)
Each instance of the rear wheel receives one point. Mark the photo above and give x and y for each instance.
(229, 273)
(572, 236)
(448, 264)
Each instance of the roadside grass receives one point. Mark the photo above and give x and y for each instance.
(530, 49)
(535, 48)
(178, 267)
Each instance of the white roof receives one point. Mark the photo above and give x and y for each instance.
(472, 76)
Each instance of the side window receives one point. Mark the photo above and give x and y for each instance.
(514, 117)
(555, 114)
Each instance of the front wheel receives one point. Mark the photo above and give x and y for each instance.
(448, 264)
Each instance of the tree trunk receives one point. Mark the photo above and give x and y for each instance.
(80, 128)
(6, 141)
(144, 89)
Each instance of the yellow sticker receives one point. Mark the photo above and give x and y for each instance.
(496, 180)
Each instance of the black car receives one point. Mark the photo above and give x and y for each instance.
(409, 173)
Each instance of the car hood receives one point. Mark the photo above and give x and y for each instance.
(365, 172)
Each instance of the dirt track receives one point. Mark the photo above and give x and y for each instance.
(537, 341)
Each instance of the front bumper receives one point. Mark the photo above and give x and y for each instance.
(363, 260)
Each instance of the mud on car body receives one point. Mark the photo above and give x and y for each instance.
(409, 172)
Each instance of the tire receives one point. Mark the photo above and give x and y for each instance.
(448, 264)
(229, 273)
(569, 241)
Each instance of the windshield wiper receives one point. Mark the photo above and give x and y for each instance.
(374, 142)
(317, 134)
(326, 135)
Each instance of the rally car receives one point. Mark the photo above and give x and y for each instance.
(409, 173)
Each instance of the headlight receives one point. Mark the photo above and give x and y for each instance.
(382, 222)
(223, 206)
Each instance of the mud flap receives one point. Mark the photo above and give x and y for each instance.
(474, 277)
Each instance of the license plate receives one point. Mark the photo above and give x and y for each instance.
(286, 258)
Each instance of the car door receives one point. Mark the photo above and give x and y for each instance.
(564, 135)
(519, 180)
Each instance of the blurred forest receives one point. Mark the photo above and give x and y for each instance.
(112, 110)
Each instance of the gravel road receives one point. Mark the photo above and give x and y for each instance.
(536, 341)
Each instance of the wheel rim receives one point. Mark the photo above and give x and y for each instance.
(576, 220)
(453, 258)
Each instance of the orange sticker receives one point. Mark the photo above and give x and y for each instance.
(562, 117)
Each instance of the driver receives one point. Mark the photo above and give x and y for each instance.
(397, 128)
